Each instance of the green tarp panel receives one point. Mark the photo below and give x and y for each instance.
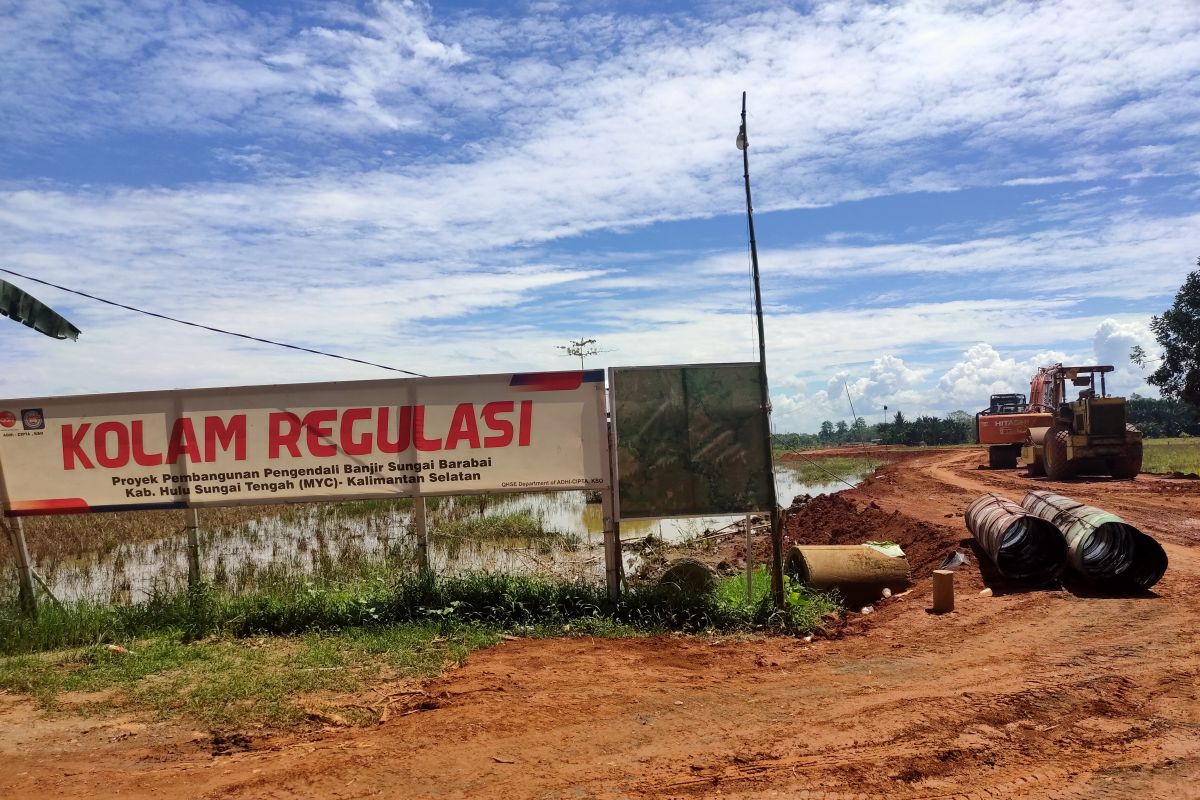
(690, 440)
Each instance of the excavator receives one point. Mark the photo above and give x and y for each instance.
(1061, 438)
(1004, 426)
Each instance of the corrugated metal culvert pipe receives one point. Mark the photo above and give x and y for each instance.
(1023, 547)
(1103, 547)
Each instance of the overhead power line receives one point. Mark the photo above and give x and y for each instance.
(258, 339)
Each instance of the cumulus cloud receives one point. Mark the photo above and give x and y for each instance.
(1112, 344)
(419, 187)
(983, 371)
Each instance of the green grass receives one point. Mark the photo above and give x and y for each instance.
(296, 606)
(804, 608)
(225, 682)
(233, 660)
(514, 525)
(1171, 455)
(822, 470)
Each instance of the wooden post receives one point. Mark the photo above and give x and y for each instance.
(612, 546)
(193, 549)
(749, 559)
(28, 599)
(420, 528)
(943, 591)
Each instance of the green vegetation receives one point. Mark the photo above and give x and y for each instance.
(1171, 455)
(823, 470)
(957, 427)
(514, 525)
(228, 660)
(223, 682)
(299, 605)
(804, 608)
(1162, 418)
(1177, 332)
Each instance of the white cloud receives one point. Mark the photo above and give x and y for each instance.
(983, 371)
(980, 372)
(1108, 256)
(503, 134)
(1112, 344)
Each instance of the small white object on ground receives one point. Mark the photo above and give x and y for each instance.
(887, 593)
(986, 592)
(867, 609)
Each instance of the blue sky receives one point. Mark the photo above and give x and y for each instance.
(947, 194)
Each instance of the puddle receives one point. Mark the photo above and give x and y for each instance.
(332, 539)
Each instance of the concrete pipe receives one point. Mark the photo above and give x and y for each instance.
(858, 573)
(1102, 547)
(1023, 547)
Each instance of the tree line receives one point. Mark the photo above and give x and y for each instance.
(1166, 417)
(1155, 418)
(958, 427)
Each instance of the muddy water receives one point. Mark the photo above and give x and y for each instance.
(331, 540)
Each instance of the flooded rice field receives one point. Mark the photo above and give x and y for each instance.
(549, 533)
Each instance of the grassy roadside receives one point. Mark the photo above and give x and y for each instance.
(228, 683)
(1164, 456)
(270, 658)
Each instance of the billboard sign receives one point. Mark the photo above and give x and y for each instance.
(304, 442)
(689, 440)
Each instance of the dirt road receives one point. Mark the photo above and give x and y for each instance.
(1024, 694)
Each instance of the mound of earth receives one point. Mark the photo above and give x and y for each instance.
(832, 519)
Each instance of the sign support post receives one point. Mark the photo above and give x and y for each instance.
(612, 545)
(749, 559)
(28, 600)
(420, 528)
(193, 548)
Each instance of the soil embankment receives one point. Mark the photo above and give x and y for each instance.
(1046, 693)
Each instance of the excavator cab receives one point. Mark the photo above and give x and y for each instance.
(1007, 404)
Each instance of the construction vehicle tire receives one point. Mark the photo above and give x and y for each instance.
(1036, 468)
(1002, 457)
(1058, 468)
(1129, 465)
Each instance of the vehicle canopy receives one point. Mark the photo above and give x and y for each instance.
(1048, 388)
(1007, 404)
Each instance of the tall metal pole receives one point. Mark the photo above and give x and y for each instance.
(743, 143)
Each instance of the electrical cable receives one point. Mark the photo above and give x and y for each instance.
(210, 328)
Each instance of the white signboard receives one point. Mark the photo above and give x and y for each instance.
(316, 441)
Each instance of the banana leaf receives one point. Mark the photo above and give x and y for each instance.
(20, 306)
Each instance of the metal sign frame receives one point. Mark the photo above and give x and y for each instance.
(174, 405)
